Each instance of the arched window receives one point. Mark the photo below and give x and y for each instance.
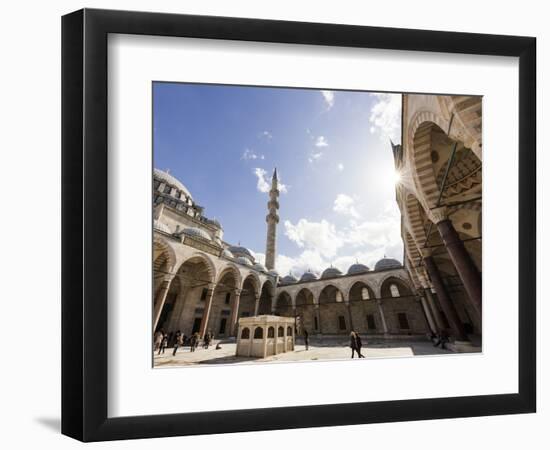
(394, 290)
(271, 332)
(339, 297)
(289, 331)
(245, 334)
(258, 333)
(281, 332)
(365, 293)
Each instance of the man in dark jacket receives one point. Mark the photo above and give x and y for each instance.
(355, 344)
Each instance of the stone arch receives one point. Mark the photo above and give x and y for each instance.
(333, 311)
(223, 301)
(402, 284)
(361, 308)
(164, 259)
(234, 270)
(266, 298)
(305, 303)
(284, 304)
(250, 291)
(201, 257)
(415, 215)
(355, 291)
(254, 280)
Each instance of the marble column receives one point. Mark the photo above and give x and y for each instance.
(206, 314)
(462, 261)
(382, 316)
(318, 316)
(434, 308)
(348, 307)
(235, 312)
(427, 313)
(256, 305)
(161, 298)
(444, 299)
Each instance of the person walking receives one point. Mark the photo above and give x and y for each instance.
(355, 344)
(163, 344)
(159, 336)
(178, 342)
(306, 339)
(192, 342)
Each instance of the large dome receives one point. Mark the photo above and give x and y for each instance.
(260, 267)
(331, 272)
(196, 232)
(227, 254)
(308, 276)
(169, 179)
(387, 263)
(357, 268)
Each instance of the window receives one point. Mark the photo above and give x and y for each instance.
(228, 298)
(394, 290)
(167, 189)
(289, 331)
(223, 323)
(271, 332)
(196, 325)
(341, 322)
(339, 297)
(204, 294)
(365, 293)
(281, 332)
(156, 184)
(245, 334)
(403, 321)
(258, 333)
(371, 324)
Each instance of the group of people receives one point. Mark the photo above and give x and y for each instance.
(176, 340)
(441, 339)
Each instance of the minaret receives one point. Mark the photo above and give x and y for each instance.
(272, 220)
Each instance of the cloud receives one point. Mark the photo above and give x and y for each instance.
(340, 167)
(264, 183)
(249, 154)
(344, 204)
(321, 237)
(266, 134)
(328, 96)
(314, 156)
(321, 142)
(385, 116)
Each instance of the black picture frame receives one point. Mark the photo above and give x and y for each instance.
(84, 224)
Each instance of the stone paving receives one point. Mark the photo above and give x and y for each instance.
(316, 352)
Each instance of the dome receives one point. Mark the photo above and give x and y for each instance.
(289, 279)
(357, 268)
(241, 251)
(157, 225)
(169, 179)
(273, 273)
(213, 222)
(331, 272)
(387, 263)
(196, 232)
(260, 267)
(309, 276)
(243, 260)
(227, 254)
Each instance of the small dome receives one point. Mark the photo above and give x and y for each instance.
(169, 179)
(273, 273)
(243, 260)
(260, 267)
(357, 268)
(227, 254)
(159, 226)
(241, 251)
(196, 232)
(387, 263)
(331, 272)
(214, 222)
(309, 276)
(289, 279)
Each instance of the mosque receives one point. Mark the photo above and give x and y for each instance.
(202, 283)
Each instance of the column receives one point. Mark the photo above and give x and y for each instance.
(464, 265)
(427, 313)
(257, 305)
(318, 316)
(444, 299)
(161, 298)
(235, 312)
(285, 347)
(265, 340)
(206, 314)
(348, 307)
(382, 317)
(435, 310)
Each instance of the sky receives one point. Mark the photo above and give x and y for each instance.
(333, 156)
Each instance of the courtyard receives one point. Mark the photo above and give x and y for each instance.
(318, 351)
